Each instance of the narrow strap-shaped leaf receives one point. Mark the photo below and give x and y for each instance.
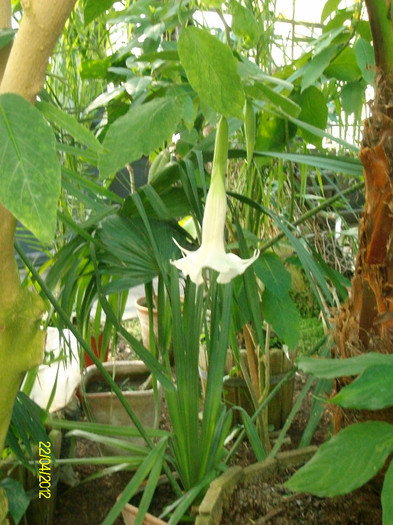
(252, 435)
(139, 476)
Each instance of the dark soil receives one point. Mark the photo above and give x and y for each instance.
(268, 503)
(264, 503)
(125, 385)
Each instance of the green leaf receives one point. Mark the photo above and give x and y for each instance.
(273, 132)
(365, 58)
(285, 104)
(244, 24)
(373, 390)
(18, 500)
(348, 165)
(6, 36)
(281, 313)
(364, 30)
(317, 65)
(216, 4)
(30, 171)
(345, 67)
(94, 8)
(387, 497)
(328, 9)
(70, 124)
(252, 435)
(352, 96)
(212, 71)
(346, 462)
(331, 368)
(314, 112)
(139, 132)
(272, 272)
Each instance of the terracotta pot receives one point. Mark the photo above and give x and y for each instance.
(211, 509)
(235, 391)
(105, 407)
(97, 349)
(143, 316)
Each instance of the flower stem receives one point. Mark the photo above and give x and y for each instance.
(220, 152)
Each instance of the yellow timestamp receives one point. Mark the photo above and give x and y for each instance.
(45, 469)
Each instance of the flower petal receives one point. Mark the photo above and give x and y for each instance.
(235, 266)
(228, 265)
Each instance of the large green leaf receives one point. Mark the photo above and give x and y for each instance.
(345, 67)
(366, 59)
(345, 462)
(94, 8)
(272, 272)
(30, 177)
(263, 92)
(70, 124)
(387, 497)
(281, 313)
(328, 9)
(373, 390)
(352, 96)
(317, 65)
(314, 111)
(330, 368)
(18, 500)
(244, 24)
(139, 132)
(212, 71)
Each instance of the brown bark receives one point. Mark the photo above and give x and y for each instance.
(365, 323)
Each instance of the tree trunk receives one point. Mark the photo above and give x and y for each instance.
(22, 71)
(365, 322)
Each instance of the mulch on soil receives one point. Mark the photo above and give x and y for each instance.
(259, 504)
(268, 503)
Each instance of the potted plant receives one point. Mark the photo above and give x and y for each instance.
(142, 311)
(236, 392)
(103, 406)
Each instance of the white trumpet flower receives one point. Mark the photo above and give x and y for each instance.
(211, 253)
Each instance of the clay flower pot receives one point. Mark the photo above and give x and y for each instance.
(105, 407)
(235, 391)
(96, 346)
(143, 316)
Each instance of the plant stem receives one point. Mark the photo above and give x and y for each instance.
(380, 15)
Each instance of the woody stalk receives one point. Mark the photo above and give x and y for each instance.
(22, 72)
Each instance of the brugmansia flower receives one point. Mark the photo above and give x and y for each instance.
(211, 253)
